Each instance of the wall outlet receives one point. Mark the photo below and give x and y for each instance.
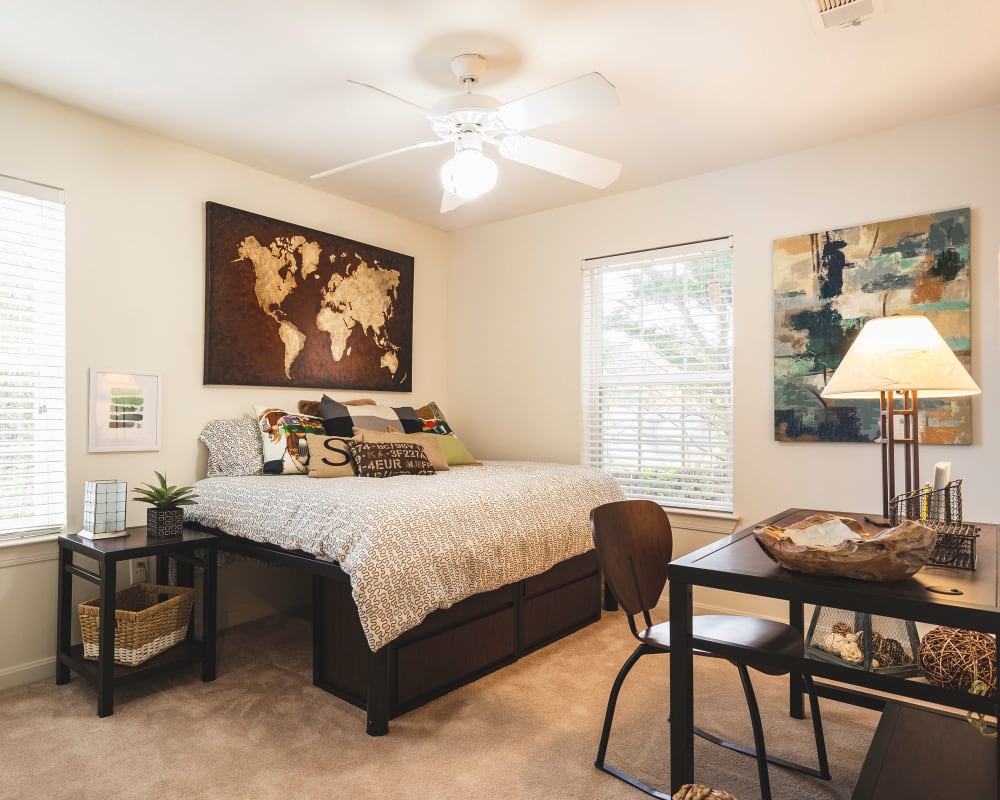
(140, 572)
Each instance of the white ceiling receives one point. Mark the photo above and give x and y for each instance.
(703, 84)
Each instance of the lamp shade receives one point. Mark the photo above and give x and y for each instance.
(899, 354)
(469, 174)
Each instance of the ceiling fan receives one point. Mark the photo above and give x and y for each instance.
(470, 121)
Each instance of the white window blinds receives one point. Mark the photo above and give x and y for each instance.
(658, 373)
(32, 359)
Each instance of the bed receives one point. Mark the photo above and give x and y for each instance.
(422, 583)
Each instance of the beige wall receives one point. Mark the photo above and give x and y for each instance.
(515, 295)
(135, 299)
(497, 311)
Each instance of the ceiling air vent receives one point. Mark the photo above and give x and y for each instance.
(827, 14)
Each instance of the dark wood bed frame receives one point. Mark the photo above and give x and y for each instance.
(450, 648)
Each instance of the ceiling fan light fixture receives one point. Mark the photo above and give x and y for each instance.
(469, 174)
(471, 120)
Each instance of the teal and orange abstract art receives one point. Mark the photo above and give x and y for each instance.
(828, 284)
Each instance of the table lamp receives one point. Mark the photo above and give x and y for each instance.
(892, 359)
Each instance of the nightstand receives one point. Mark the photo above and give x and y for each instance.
(107, 553)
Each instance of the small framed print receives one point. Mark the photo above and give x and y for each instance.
(124, 410)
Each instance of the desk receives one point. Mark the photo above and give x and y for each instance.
(738, 564)
(107, 553)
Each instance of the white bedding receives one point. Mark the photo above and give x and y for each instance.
(412, 544)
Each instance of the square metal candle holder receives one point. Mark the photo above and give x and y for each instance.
(104, 506)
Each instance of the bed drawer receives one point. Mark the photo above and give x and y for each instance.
(440, 662)
(557, 612)
(479, 605)
(452, 646)
(565, 572)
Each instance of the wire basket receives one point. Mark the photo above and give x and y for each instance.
(863, 641)
(935, 505)
(956, 545)
(940, 509)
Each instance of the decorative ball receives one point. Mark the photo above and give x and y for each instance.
(888, 652)
(696, 791)
(949, 656)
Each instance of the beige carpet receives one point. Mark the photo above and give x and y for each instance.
(262, 730)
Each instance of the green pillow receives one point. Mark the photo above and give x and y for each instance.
(454, 451)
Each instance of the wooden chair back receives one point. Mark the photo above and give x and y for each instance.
(634, 545)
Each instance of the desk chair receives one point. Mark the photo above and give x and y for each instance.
(634, 545)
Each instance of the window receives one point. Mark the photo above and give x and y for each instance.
(658, 373)
(32, 359)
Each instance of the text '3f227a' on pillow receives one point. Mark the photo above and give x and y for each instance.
(388, 459)
(427, 441)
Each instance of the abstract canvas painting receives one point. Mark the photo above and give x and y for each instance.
(828, 284)
(287, 305)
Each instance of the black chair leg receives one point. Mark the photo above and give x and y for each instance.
(759, 752)
(822, 772)
(824, 765)
(602, 750)
(758, 732)
(613, 701)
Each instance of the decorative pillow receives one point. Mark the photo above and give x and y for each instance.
(432, 419)
(283, 439)
(341, 420)
(233, 447)
(456, 453)
(427, 441)
(330, 456)
(385, 459)
(434, 422)
(312, 407)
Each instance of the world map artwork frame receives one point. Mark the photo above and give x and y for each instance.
(829, 283)
(287, 305)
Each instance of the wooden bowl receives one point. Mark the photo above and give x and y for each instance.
(889, 555)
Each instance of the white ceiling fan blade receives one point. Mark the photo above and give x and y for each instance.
(425, 111)
(560, 160)
(449, 202)
(368, 160)
(574, 98)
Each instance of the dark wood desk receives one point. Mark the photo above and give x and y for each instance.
(107, 553)
(920, 752)
(738, 564)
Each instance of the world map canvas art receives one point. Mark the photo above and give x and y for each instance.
(287, 305)
(828, 284)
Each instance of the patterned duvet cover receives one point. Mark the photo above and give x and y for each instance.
(412, 544)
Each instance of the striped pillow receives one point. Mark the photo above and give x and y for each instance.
(341, 420)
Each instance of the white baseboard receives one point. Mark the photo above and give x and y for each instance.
(702, 608)
(20, 674)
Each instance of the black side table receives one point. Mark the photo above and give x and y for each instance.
(108, 552)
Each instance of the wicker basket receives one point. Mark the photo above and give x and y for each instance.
(697, 791)
(148, 620)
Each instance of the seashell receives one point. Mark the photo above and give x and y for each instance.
(851, 652)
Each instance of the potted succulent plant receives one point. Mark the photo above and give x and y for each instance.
(166, 517)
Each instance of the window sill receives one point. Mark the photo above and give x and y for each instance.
(705, 521)
(18, 541)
